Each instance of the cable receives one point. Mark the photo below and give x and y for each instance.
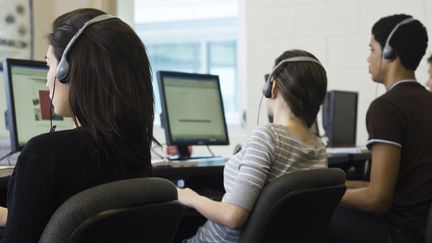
(7, 156)
(8, 159)
(211, 152)
(259, 109)
(152, 149)
(52, 128)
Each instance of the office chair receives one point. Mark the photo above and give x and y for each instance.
(296, 207)
(132, 210)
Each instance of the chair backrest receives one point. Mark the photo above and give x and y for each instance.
(132, 210)
(296, 207)
(429, 227)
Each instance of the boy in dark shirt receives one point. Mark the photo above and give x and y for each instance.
(393, 205)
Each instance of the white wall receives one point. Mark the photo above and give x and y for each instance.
(336, 31)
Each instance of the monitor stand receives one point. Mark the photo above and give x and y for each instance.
(183, 152)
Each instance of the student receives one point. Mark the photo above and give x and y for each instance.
(393, 205)
(429, 82)
(295, 90)
(108, 93)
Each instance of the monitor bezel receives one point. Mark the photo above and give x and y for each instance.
(11, 113)
(161, 75)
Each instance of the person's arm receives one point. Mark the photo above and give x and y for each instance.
(3, 216)
(251, 173)
(377, 196)
(226, 214)
(353, 184)
(29, 203)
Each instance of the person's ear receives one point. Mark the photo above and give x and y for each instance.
(275, 90)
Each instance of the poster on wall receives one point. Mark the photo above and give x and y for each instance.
(16, 29)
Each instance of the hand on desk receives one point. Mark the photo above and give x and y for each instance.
(186, 196)
(223, 213)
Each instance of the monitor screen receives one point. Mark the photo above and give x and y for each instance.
(3, 132)
(192, 109)
(28, 101)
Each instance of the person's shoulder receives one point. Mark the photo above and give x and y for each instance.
(271, 132)
(41, 142)
(383, 102)
(269, 129)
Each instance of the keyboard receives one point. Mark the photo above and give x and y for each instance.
(347, 150)
(193, 162)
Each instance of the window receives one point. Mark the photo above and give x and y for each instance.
(192, 36)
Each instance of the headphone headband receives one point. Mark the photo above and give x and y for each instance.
(292, 59)
(388, 52)
(63, 65)
(268, 85)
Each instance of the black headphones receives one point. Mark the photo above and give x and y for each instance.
(63, 66)
(267, 89)
(388, 51)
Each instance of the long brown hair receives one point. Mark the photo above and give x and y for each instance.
(303, 85)
(111, 93)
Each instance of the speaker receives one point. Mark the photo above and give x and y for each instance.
(63, 65)
(268, 84)
(340, 118)
(388, 51)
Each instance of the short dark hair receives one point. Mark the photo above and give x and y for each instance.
(303, 85)
(430, 59)
(111, 93)
(409, 41)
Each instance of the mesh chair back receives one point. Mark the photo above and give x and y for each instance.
(296, 207)
(132, 210)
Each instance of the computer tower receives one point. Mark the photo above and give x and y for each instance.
(340, 118)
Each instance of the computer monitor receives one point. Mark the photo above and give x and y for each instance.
(340, 118)
(28, 102)
(3, 132)
(192, 110)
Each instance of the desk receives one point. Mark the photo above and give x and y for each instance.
(209, 173)
(355, 165)
(203, 175)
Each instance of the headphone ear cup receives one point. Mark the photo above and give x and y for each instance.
(388, 52)
(62, 70)
(267, 89)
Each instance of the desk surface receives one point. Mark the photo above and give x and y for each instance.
(204, 167)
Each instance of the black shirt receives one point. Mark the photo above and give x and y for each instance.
(403, 117)
(51, 168)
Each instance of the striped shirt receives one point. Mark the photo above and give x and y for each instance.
(271, 151)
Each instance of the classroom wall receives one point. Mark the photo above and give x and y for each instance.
(336, 31)
(46, 11)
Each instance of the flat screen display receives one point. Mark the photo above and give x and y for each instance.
(28, 101)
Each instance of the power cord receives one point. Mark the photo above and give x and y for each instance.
(8, 157)
(259, 109)
(211, 152)
(153, 151)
